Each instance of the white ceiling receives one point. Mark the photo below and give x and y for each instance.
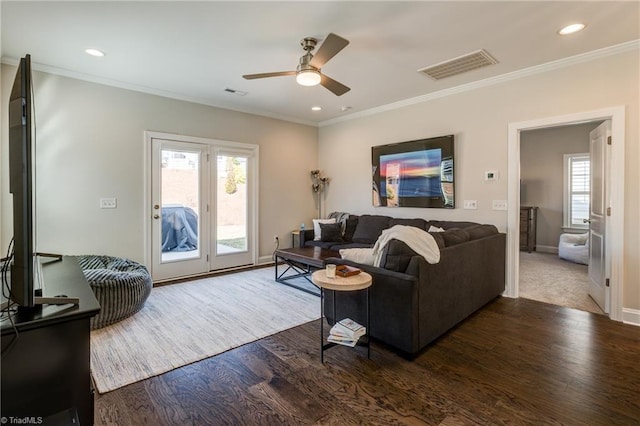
(194, 50)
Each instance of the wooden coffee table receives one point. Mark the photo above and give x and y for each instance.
(361, 281)
(300, 262)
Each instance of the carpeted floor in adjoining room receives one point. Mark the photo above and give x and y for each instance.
(547, 278)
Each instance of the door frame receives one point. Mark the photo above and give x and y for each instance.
(147, 199)
(615, 178)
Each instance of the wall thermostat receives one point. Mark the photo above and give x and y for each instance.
(491, 175)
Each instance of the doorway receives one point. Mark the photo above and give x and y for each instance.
(615, 178)
(202, 205)
(555, 192)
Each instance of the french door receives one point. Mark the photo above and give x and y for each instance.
(232, 209)
(202, 206)
(180, 199)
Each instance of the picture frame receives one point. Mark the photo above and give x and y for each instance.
(418, 173)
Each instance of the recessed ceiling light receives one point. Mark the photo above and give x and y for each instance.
(94, 52)
(316, 108)
(570, 29)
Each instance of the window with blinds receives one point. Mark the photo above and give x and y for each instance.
(577, 190)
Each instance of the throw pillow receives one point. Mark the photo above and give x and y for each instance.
(369, 228)
(455, 236)
(331, 232)
(317, 233)
(480, 231)
(358, 255)
(417, 223)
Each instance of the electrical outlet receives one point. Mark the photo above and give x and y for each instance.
(471, 204)
(499, 204)
(275, 239)
(108, 203)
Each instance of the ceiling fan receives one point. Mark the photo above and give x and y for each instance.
(308, 71)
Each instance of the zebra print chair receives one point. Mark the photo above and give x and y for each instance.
(121, 286)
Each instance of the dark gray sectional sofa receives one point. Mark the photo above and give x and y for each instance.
(413, 302)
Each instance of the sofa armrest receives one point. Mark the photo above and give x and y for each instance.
(306, 235)
(468, 276)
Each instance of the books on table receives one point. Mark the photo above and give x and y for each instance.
(346, 332)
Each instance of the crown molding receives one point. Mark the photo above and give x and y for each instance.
(537, 69)
(151, 91)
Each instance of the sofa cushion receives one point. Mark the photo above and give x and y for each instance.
(439, 240)
(481, 231)
(350, 228)
(448, 224)
(417, 223)
(321, 244)
(454, 236)
(369, 228)
(339, 246)
(331, 232)
(396, 256)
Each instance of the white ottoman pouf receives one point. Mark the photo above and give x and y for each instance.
(574, 247)
(120, 285)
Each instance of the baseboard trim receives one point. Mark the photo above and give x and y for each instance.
(547, 249)
(631, 316)
(265, 260)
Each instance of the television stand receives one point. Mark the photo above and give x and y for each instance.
(56, 256)
(57, 300)
(46, 368)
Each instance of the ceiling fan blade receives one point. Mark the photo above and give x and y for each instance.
(330, 48)
(337, 88)
(268, 74)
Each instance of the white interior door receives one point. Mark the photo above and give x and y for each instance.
(597, 215)
(180, 219)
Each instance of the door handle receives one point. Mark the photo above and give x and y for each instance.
(586, 221)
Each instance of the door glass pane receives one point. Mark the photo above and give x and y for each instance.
(179, 192)
(231, 215)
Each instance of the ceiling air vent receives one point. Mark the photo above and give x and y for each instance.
(459, 65)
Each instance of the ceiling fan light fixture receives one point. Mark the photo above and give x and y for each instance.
(308, 78)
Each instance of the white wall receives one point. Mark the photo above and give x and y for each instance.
(479, 120)
(91, 145)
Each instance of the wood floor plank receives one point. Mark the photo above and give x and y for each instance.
(514, 362)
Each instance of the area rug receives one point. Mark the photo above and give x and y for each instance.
(187, 322)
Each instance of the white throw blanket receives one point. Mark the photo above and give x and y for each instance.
(420, 241)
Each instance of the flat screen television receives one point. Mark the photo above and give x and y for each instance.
(416, 173)
(21, 169)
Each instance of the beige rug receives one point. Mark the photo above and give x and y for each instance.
(547, 278)
(187, 322)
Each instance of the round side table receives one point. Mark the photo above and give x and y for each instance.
(361, 281)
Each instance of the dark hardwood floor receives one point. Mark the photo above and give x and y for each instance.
(516, 361)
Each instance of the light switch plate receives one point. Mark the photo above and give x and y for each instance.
(470, 204)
